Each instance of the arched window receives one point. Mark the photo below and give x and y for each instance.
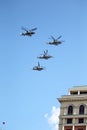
(81, 109)
(70, 110)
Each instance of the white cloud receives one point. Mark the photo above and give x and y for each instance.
(53, 117)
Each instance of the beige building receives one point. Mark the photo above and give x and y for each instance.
(73, 109)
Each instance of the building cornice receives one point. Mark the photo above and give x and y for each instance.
(69, 98)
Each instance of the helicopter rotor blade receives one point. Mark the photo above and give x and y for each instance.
(38, 64)
(24, 29)
(33, 29)
(46, 52)
(52, 37)
(59, 37)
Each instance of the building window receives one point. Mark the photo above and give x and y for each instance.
(83, 92)
(69, 121)
(81, 120)
(74, 93)
(70, 110)
(81, 109)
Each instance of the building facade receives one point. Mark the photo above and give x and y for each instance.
(73, 109)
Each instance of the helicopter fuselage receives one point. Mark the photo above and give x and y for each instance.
(46, 57)
(37, 68)
(28, 33)
(55, 43)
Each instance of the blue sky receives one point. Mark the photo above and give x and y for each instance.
(28, 99)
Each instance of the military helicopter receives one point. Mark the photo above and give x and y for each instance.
(55, 41)
(28, 32)
(38, 67)
(45, 55)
